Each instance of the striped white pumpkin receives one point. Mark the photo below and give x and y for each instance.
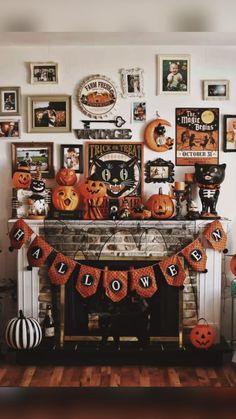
(23, 333)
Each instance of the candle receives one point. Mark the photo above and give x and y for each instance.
(189, 177)
(179, 186)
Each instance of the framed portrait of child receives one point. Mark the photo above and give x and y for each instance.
(173, 75)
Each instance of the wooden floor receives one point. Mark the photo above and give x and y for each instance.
(127, 376)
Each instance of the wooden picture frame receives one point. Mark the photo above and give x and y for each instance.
(34, 154)
(10, 128)
(216, 89)
(159, 170)
(173, 75)
(128, 168)
(10, 101)
(132, 82)
(44, 73)
(229, 139)
(72, 157)
(49, 113)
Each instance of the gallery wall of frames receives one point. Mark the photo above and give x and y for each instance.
(137, 123)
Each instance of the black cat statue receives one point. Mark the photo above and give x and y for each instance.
(209, 178)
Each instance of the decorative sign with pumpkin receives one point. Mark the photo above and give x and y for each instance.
(65, 197)
(202, 336)
(155, 135)
(22, 177)
(93, 192)
(160, 205)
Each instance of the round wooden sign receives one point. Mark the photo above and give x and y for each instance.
(97, 96)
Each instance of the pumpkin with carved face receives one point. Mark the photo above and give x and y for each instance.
(93, 189)
(65, 198)
(160, 205)
(22, 177)
(66, 177)
(202, 336)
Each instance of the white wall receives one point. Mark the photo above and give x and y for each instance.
(75, 63)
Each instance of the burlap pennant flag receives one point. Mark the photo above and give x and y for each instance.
(61, 269)
(216, 235)
(38, 252)
(195, 255)
(88, 280)
(143, 281)
(173, 271)
(19, 234)
(115, 284)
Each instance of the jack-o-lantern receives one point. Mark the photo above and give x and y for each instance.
(160, 205)
(65, 198)
(66, 177)
(93, 192)
(155, 136)
(22, 177)
(202, 336)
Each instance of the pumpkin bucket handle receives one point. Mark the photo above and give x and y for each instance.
(202, 318)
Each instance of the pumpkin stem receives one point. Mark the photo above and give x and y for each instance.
(160, 191)
(21, 314)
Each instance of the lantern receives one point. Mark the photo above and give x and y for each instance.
(22, 177)
(160, 205)
(23, 333)
(65, 198)
(202, 336)
(66, 177)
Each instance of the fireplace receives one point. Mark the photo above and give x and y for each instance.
(102, 243)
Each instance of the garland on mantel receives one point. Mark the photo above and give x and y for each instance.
(142, 280)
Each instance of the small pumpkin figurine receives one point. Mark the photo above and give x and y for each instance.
(66, 177)
(65, 198)
(93, 191)
(23, 333)
(202, 336)
(22, 177)
(160, 205)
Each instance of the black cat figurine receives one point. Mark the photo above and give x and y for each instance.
(209, 178)
(118, 175)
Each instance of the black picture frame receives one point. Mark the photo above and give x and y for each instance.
(229, 142)
(74, 160)
(159, 170)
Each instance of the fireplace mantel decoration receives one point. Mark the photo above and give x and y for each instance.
(61, 267)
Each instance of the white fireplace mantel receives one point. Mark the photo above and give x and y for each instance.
(209, 284)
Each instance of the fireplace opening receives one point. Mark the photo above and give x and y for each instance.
(132, 319)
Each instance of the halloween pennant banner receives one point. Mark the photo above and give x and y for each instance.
(116, 284)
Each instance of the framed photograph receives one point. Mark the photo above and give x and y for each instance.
(10, 101)
(159, 170)
(35, 155)
(229, 133)
(44, 73)
(197, 136)
(49, 113)
(174, 74)
(139, 111)
(10, 128)
(72, 157)
(119, 165)
(216, 89)
(132, 82)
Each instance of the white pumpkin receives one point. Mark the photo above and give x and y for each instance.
(23, 333)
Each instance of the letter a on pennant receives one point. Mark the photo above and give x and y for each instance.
(216, 235)
(173, 271)
(87, 280)
(143, 281)
(195, 255)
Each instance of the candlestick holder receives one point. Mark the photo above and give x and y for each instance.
(178, 194)
(192, 210)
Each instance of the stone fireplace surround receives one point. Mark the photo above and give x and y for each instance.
(107, 239)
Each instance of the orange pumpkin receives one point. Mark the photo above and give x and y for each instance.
(66, 177)
(160, 205)
(22, 177)
(155, 138)
(233, 265)
(65, 198)
(92, 189)
(202, 336)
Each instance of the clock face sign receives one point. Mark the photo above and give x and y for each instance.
(97, 96)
